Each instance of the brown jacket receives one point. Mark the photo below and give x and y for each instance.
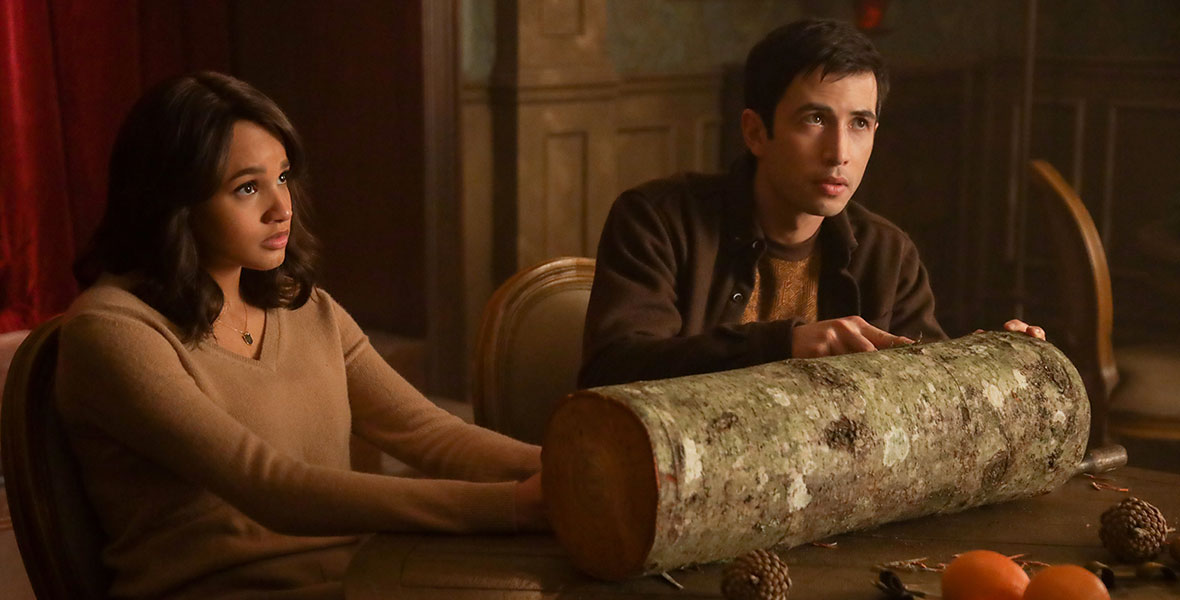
(676, 266)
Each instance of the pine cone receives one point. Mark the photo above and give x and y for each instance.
(1133, 530)
(759, 575)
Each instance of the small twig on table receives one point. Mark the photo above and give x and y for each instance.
(912, 564)
(670, 580)
(1104, 483)
(1100, 486)
(1024, 564)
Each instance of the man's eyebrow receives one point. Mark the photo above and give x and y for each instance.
(824, 108)
(815, 107)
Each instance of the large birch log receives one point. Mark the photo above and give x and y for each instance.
(655, 475)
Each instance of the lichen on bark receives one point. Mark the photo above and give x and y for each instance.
(798, 450)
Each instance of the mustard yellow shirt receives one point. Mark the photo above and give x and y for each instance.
(786, 282)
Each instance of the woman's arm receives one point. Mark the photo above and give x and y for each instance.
(390, 413)
(125, 378)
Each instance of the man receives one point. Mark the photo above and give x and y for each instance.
(701, 273)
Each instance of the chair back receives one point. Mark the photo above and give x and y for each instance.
(56, 529)
(1085, 298)
(530, 346)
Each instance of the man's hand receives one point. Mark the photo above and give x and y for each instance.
(530, 505)
(1018, 326)
(841, 336)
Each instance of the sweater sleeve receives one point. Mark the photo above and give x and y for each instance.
(128, 381)
(388, 412)
(633, 322)
(913, 307)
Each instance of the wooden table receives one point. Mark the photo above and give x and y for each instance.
(1061, 527)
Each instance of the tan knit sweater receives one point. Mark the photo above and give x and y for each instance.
(786, 284)
(212, 472)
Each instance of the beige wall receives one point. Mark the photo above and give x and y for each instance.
(577, 152)
(551, 133)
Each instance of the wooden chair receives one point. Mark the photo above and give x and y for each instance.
(56, 528)
(530, 346)
(1085, 299)
(1134, 397)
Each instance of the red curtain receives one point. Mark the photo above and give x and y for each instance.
(69, 70)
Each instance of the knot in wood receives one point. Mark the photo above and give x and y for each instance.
(843, 433)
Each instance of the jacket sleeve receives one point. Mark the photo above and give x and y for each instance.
(634, 322)
(913, 308)
(388, 412)
(123, 377)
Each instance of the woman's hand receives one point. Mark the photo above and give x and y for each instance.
(530, 505)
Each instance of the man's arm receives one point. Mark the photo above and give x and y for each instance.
(633, 321)
(913, 307)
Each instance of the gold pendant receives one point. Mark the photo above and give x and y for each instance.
(246, 337)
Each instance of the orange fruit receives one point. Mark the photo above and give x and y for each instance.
(983, 575)
(1066, 582)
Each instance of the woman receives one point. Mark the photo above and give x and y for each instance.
(209, 388)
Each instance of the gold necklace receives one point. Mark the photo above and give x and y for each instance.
(245, 333)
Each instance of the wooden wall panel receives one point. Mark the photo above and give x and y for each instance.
(687, 108)
(475, 126)
(1141, 214)
(565, 177)
(548, 43)
(1058, 130)
(707, 151)
(1058, 135)
(601, 182)
(1109, 127)
(561, 18)
(1144, 176)
(441, 204)
(568, 135)
(645, 153)
(564, 213)
(552, 96)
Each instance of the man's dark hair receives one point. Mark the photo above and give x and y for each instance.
(834, 47)
(169, 157)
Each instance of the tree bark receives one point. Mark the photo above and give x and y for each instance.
(654, 475)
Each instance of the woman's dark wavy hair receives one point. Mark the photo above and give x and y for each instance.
(798, 48)
(170, 156)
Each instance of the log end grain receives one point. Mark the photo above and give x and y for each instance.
(600, 485)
